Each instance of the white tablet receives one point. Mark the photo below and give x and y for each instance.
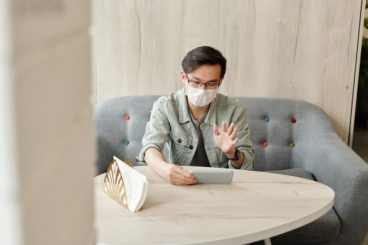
(208, 175)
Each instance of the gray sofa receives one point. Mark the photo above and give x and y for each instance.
(289, 137)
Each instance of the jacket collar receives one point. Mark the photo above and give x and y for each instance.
(184, 115)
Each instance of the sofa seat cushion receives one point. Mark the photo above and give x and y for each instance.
(321, 231)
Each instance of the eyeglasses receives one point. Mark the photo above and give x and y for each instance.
(198, 84)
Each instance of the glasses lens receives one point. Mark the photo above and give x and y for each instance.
(212, 84)
(195, 84)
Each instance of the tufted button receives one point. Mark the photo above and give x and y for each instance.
(126, 142)
(191, 147)
(266, 119)
(264, 144)
(179, 141)
(293, 120)
(292, 145)
(126, 117)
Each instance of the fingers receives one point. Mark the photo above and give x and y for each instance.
(227, 138)
(215, 130)
(178, 176)
(233, 133)
(223, 127)
(231, 128)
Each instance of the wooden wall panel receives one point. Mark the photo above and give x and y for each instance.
(302, 49)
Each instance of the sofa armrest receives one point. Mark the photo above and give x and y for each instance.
(333, 163)
(104, 154)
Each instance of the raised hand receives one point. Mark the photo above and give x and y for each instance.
(225, 140)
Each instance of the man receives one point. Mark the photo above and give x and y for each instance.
(187, 121)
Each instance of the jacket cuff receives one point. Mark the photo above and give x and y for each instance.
(140, 156)
(247, 162)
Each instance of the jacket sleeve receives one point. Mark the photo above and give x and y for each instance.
(157, 130)
(244, 144)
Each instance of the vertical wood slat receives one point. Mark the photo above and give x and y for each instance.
(302, 49)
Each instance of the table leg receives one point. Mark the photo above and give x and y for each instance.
(267, 241)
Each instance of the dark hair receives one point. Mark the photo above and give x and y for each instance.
(203, 56)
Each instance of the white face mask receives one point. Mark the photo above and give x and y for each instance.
(199, 97)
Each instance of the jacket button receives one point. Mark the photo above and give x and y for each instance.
(191, 147)
(179, 141)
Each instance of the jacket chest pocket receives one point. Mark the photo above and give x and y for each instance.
(181, 144)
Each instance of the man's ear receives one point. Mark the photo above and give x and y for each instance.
(183, 77)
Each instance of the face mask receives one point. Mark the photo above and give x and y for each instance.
(199, 97)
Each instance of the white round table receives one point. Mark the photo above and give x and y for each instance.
(256, 206)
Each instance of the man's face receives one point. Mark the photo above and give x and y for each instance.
(204, 77)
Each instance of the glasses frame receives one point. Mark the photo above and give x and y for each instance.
(209, 85)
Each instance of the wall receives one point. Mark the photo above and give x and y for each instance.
(48, 160)
(305, 50)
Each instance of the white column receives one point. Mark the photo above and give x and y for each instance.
(10, 210)
(47, 135)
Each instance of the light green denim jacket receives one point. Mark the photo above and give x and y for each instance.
(171, 123)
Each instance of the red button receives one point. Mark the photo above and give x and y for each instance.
(264, 144)
(127, 117)
(293, 120)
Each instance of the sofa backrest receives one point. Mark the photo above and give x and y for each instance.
(277, 127)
